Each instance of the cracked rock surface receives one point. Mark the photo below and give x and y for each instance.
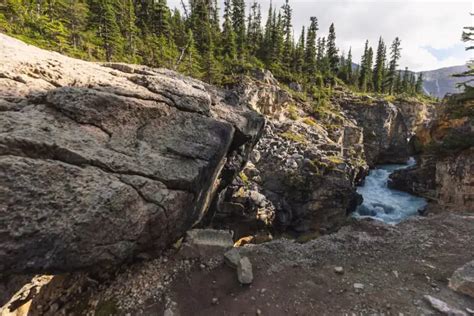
(101, 162)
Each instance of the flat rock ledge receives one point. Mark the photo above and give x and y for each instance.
(102, 162)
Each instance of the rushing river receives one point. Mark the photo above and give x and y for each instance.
(383, 203)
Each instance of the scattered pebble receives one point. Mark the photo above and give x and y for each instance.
(339, 270)
(215, 301)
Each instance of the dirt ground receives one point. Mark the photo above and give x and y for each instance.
(387, 270)
(397, 266)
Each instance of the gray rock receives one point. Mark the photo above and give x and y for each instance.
(359, 286)
(339, 270)
(204, 243)
(257, 198)
(462, 280)
(443, 307)
(244, 271)
(232, 258)
(99, 163)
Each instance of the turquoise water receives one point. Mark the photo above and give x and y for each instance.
(384, 204)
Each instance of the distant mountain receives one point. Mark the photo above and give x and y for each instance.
(439, 82)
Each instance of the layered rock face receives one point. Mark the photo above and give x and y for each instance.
(385, 130)
(100, 162)
(302, 175)
(416, 114)
(444, 173)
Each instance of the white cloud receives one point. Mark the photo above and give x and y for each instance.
(419, 24)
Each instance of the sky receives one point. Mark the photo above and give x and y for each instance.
(430, 30)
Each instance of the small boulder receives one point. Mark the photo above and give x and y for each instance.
(244, 271)
(462, 280)
(205, 243)
(232, 258)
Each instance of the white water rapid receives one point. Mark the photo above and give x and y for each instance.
(384, 204)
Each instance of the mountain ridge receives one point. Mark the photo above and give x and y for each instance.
(439, 82)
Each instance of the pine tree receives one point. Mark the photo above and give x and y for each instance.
(287, 30)
(348, 68)
(265, 49)
(238, 24)
(379, 68)
(255, 36)
(320, 53)
(332, 52)
(161, 17)
(229, 49)
(405, 85)
(298, 56)
(191, 61)
(392, 70)
(278, 41)
(397, 85)
(419, 84)
(366, 68)
(104, 19)
(127, 20)
(310, 52)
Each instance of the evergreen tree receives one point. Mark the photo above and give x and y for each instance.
(298, 56)
(405, 84)
(365, 68)
(310, 52)
(287, 30)
(238, 24)
(255, 35)
(265, 49)
(379, 68)
(348, 68)
(191, 63)
(104, 19)
(127, 20)
(229, 49)
(392, 70)
(419, 84)
(320, 53)
(397, 85)
(332, 52)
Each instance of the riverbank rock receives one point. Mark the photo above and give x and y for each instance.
(100, 162)
(445, 166)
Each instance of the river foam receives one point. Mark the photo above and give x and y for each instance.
(384, 204)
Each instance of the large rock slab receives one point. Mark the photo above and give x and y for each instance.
(100, 162)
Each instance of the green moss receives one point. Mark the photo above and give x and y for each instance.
(335, 160)
(296, 137)
(244, 178)
(309, 121)
(293, 112)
